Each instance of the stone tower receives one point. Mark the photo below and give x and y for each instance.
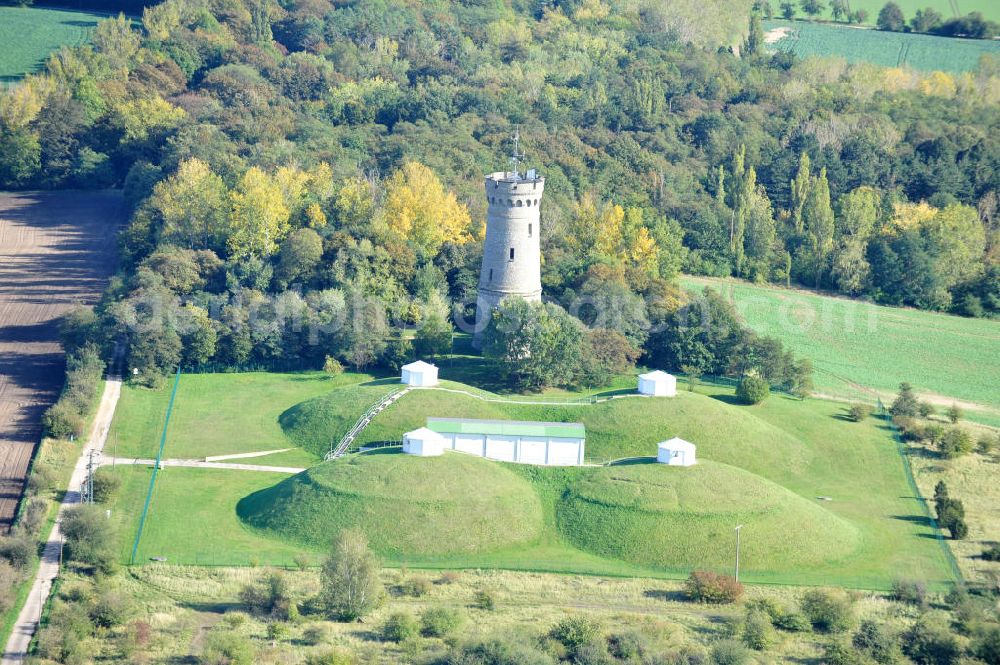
(511, 256)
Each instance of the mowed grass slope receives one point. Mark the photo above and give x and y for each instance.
(30, 34)
(887, 49)
(854, 344)
(653, 515)
(408, 506)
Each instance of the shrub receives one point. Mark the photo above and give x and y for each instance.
(931, 642)
(986, 444)
(106, 485)
(729, 652)
(925, 409)
(876, 643)
(992, 553)
(42, 479)
(302, 561)
(269, 597)
(752, 390)
(986, 645)
(859, 412)
(485, 599)
(316, 633)
(757, 630)
(575, 632)
(332, 366)
(18, 551)
(227, 649)
(499, 652)
(32, 517)
(399, 627)
(440, 622)
(827, 611)
(338, 656)
(954, 413)
(417, 586)
(88, 537)
(910, 591)
(449, 577)
(628, 646)
(708, 587)
(955, 443)
(110, 610)
(905, 403)
(838, 653)
(61, 421)
(9, 578)
(792, 622)
(276, 631)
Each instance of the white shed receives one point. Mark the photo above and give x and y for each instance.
(423, 443)
(420, 374)
(676, 452)
(658, 384)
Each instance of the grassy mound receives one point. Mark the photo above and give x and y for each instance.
(408, 506)
(316, 423)
(654, 515)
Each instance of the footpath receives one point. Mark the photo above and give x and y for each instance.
(16, 651)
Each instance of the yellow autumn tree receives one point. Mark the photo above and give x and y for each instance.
(911, 215)
(192, 204)
(418, 208)
(258, 217)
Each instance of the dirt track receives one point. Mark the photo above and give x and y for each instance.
(56, 249)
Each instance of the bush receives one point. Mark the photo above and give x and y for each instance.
(338, 656)
(316, 634)
(61, 421)
(270, 597)
(399, 627)
(628, 646)
(332, 366)
(954, 413)
(931, 642)
(955, 443)
(925, 409)
(42, 479)
(729, 652)
(416, 586)
(859, 412)
(499, 652)
(227, 649)
(575, 632)
(106, 485)
(110, 610)
(986, 444)
(838, 653)
(17, 551)
(449, 577)
(905, 404)
(986, 645)
(708, 587)
(910, 591)
(792, 622)
(89, 539)
(876, 643)
(828, 611)
(757, 630)
(32, 516)
(440, 622)
(752, 390)
(485, 599)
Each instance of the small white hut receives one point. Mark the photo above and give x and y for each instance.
(423, 443)
(658, 384)
(420, 374)
(676, 452)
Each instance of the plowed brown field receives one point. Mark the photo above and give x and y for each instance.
(57, 249)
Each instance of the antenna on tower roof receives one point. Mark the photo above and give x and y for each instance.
(517, 157)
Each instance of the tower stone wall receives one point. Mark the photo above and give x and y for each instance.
(511, 255)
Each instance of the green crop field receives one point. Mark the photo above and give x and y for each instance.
(764, 466)
(947, 8)
(856, 345)
(889, 49)
(29, 34)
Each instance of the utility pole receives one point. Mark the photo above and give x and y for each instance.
(738, 552)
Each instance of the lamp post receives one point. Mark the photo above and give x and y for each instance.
(738, 552)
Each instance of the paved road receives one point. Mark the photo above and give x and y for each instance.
(199, 464)
(27, 621)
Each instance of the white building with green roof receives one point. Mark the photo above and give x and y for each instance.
(524, 442)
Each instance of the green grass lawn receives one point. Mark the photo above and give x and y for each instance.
(787, 454)
(30, 34)
(221, 414)
(852, 344)
(887, 49)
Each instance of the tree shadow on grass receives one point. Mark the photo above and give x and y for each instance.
(922, 520)
(675, 596)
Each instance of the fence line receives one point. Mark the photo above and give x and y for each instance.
(156, 468)
(912, 483)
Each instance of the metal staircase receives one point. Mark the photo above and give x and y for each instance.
(345, 443)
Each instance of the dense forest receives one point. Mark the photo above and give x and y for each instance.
(293, 164)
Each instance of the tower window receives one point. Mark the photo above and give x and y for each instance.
(511, 253)
(510, 204)
(491, 274)
(529, 230)
(520, 203)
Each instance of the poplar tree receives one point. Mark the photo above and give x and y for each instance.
(800, 191)
(819, 222)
